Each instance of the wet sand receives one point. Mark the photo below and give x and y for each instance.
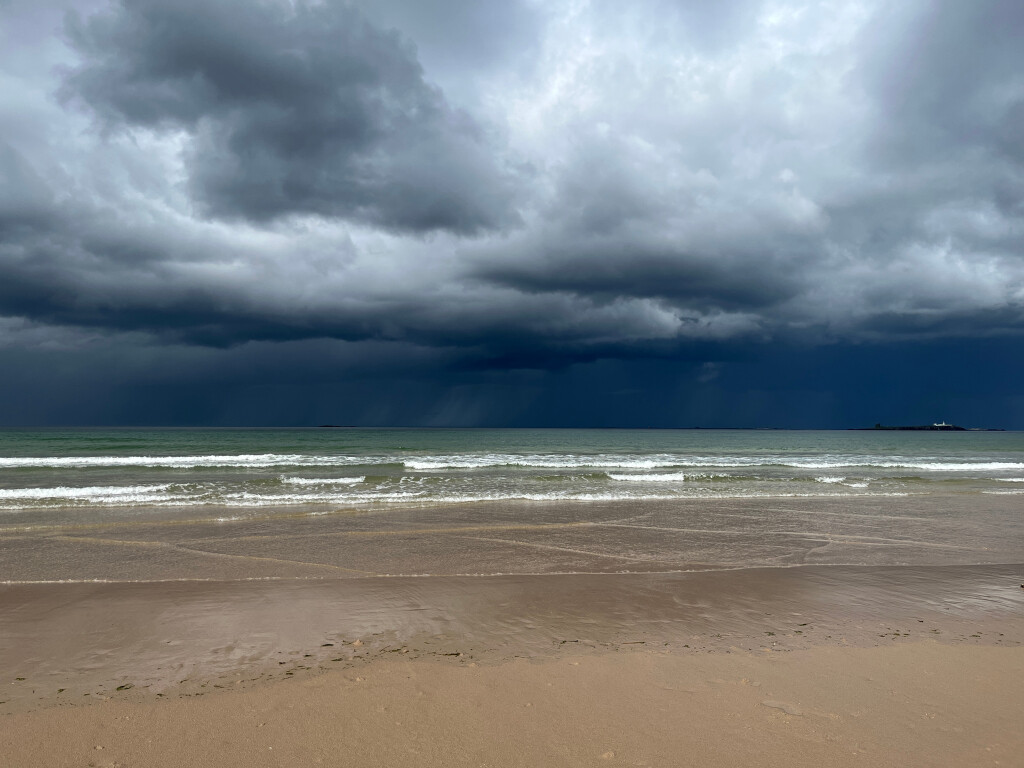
(171, 638)
(874, 664)
(812, 666)
(523, 537)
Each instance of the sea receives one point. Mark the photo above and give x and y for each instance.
(314, 534)
(84, 475)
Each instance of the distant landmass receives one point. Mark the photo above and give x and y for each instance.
(941, 427)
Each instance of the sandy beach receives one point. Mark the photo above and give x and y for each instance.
(919, 703)
(540, 383)
(310, 650)
(803, 666)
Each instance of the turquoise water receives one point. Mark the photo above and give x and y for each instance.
(146, 471)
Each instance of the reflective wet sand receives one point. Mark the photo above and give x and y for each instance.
(172, 637)
(186, 606)
(525, 537)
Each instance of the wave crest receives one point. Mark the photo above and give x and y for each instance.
(666, 477)
(323, 480)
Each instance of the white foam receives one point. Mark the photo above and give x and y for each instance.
(613, 497)
(665, 461)
(830, 479)
(249, 499)
(323, 480)
(899, 463)
(84, 493)
(667, 477)
(17, 499)
(191, 462)
(1010, 479)
(464, 498)
(123, 497)
(568, 461)
(539, 461)
(488, 460)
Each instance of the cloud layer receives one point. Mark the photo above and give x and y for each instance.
(304, 110)
(477, 187)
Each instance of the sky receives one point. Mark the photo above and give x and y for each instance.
(661, 213)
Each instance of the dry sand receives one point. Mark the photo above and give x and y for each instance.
(919, 704)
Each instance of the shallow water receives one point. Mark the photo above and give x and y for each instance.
(55, 476)
(147, 505)
(520, 537)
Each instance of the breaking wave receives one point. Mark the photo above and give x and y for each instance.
(432, 463)
(323, 480)
(121, 495)
(668, 477)
(260, 460)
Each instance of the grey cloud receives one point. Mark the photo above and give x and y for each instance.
(946, 76)
(446, 211)
(199, 286)
(623, 222)
(944, 323)
(294, 110)
(706, 25)
(609, 268)
(456, 38)
(680, 198)
(24, 196)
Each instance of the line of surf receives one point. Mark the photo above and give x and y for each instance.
(433, 463)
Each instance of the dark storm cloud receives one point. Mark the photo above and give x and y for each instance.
(618, 227)
(666, 190)
(698, 171)
(205, 288)
(785, 203)
(304, 109)
(64, 381)
(608, 268)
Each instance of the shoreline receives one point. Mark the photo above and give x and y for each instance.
(284, 642)
(72, 643)
(805, 666)
(526, 537)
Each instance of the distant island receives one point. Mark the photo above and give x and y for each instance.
(940, 427)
